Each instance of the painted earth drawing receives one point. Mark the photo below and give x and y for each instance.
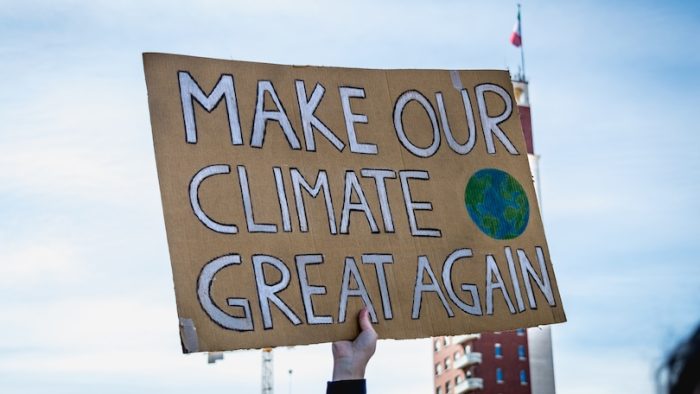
(497, 203)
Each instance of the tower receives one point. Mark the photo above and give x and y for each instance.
(518, 362)
(539, 339)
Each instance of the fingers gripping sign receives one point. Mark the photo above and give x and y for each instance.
(350, 358)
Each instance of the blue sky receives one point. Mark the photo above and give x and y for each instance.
(85, 285)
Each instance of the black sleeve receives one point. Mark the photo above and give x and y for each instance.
(347, 387)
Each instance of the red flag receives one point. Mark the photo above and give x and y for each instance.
(516, 37)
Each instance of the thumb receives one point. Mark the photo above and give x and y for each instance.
(365, 343)
(365, 323)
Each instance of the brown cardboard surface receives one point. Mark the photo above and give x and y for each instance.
(369, 243)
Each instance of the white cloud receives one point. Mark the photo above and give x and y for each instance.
(72, 141)
(36, 263)
(64, 171)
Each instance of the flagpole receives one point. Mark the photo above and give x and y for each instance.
(522, 50)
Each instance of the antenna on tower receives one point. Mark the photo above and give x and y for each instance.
(522, 50)
(516, 39)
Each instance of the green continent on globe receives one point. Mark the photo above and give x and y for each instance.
(477, 189)
(497, 203)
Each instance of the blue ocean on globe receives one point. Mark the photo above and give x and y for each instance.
(497, 203)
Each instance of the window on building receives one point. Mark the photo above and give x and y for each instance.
(447, 387)
(437, 345)
(499, 375)
(459, 379)
(448, 362)
(457, 355)
(523, 377)
(521, 352)
(438, 390)
(438, 368)
(444, 341)
(520, 331)
(468, 349)
(498, 351)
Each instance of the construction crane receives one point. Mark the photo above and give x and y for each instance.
(267, 368)
(267, 371)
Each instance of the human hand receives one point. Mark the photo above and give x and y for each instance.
(350, 358)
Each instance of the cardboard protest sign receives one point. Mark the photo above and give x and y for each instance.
(294, 195)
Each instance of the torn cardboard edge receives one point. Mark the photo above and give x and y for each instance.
(188, 336)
